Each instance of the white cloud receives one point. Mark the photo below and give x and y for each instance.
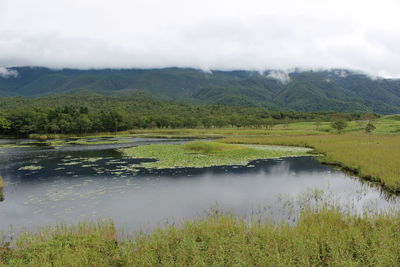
(6, 73)
(280, 75)
(253, 34)
(341, 73)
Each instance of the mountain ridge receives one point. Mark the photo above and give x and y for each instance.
(322, 90)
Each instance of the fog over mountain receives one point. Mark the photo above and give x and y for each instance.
(226, 35)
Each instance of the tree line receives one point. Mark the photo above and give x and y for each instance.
(67, 114)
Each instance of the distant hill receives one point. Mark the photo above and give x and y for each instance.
(328, 90)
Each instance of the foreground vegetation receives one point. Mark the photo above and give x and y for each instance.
(325, 237)
(205, 154)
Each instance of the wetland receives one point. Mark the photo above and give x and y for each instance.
(136, 183)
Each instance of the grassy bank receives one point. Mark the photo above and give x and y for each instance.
(375, 158)
(204, 154)
(320, 238)
(386, 125)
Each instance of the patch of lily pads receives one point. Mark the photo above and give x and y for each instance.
(206, 154)
(30, 168)
(58, 143)
(99, 142)
(14, 145)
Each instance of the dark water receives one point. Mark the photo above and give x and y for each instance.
(80, 182)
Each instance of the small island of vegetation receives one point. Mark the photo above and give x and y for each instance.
(205, 154)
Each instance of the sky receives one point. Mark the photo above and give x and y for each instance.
(257, 35)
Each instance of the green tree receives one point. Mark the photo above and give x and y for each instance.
(339, 125)
(369, 128)
(83, 123)
(4, 124)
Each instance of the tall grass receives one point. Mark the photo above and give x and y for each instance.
(376, 158)
(85, 244)
(326, 237)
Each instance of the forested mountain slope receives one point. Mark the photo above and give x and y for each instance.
(336, 90)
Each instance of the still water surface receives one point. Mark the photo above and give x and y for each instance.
(89, 182)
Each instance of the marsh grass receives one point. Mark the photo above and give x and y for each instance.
(324, 236)
(375, 158)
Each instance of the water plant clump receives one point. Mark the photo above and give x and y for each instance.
(30, 168)
(98, 142)
(202, 154)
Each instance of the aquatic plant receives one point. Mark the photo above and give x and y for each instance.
(98, 142)
(14, 145)
(30, 168)
(211, 147)
(201, 154)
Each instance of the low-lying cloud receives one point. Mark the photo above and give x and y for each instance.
(253, 35)
(6, 73)
(280, 75)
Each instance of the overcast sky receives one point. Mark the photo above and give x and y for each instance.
(207, 34)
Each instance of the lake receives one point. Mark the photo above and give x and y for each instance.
(89, 182)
